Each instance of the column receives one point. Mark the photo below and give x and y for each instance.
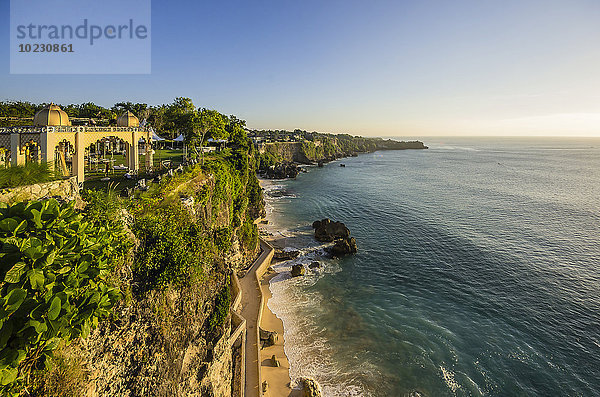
(16, 157)
(134, 153)
(128, 154)
(46, 155)
(79, 157)
(149, 156)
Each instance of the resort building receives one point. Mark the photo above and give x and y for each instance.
(72, 149)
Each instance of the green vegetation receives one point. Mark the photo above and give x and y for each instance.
(61, 269)
(27, 174)
(268, 159)
(221, 311)
(174, 249)
(54, 271)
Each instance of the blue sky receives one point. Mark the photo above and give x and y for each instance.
(403, 68)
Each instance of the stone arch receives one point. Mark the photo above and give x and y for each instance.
(105, 152)
(32, 151)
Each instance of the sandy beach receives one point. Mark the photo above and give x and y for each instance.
(277, 378)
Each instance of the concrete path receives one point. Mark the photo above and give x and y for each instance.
(251, 310)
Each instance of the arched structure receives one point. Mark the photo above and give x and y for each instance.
(52, 126)
(51, 115)
(128, 119)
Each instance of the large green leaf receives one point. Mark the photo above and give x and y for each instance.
(36, 278)
(15, 273)
(14, 299)
(33, 248)
(39, 326)
(8, 375)
(20, 228)
(36, 218)
(8, 225)
(5, 333)
(54, 309)
(49, 258)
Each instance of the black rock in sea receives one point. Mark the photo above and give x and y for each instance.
(327, 231)
(314, 265)
(297, 270)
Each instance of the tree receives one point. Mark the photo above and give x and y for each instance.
(177, 116)
(205, 121)
(138, 109)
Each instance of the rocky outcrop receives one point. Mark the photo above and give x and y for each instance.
(311, 388)
(314, 265)
(267, 338)
(283, 255)
(297, 270)
(390, 144)
(327, 231)
(327, 148)
(281, 171)
(344, 247)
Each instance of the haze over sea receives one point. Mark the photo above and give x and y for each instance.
(478, 271)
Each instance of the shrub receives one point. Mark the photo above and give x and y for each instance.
(221, 310)
(28, 174)
(248, 235)
(53, 267)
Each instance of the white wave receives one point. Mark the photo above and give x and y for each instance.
(307, 350)
(448, 376)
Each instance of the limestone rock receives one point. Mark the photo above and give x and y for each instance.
(311, 388)
(326, 230)
(297, 270)
(344, 247)
(314, 265)
(275, 361)
(281, 171)
(267, 338)
(283, 255)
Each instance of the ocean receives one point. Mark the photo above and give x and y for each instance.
(478, 270)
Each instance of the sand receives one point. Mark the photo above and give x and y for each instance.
(278, 378)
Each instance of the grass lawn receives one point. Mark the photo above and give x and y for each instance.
(117, 181)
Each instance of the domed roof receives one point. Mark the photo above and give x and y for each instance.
(128, 119)
(51, 115)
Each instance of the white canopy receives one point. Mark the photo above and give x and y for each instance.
(156, 137)
(179, 138)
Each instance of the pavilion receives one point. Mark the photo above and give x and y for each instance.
(52, 137)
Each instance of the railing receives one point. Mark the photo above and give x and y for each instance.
(268, 252)
(38, 130)
(239, 323)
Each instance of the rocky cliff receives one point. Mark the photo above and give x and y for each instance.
(169, 335)
(328, 148)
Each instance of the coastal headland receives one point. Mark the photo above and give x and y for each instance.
(156, 271)
(280, 152)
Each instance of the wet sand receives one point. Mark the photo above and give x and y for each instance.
(278, 378)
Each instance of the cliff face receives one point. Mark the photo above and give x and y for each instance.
(167, 341)
(329, 148)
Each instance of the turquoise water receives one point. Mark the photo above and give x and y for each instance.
(478, 270)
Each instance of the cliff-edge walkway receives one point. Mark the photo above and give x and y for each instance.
(251, 310)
